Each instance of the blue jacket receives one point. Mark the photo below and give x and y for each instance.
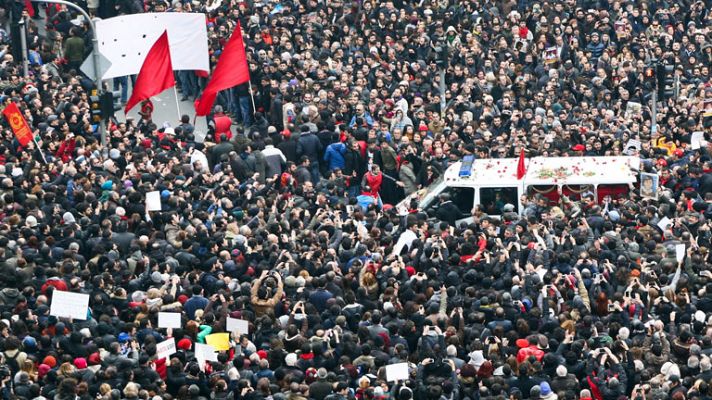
(334, 156)
(367, 118)
(194, 304)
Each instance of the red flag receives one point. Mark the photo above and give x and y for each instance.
(18, 124)
(521, 169)
(156, 73)
(231, 71)
(30, 10)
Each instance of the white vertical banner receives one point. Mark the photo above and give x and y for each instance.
(125, 41)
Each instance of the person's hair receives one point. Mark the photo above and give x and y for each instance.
(131, 390)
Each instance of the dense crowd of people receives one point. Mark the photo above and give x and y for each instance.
(284, 216)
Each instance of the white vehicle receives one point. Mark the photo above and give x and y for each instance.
(492, 183)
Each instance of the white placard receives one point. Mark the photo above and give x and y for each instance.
(203, 353)
(153, 201)
(664, 223)
(633, 109)
(169, 320)
(632, 143)
(697, 140)
(69, 305)
(125, 41)
(679, 252)
(397, 372)
(238, 325)
(166, 348)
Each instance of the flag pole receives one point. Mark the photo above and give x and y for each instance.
(254, 110)
(34, 139)
(175, 93)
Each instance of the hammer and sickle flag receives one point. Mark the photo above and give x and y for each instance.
(18, 124)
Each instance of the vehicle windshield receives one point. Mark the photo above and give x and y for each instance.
(426, 196)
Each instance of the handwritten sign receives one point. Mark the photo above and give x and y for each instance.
(69, 305)
(166, 348)
(169, 320)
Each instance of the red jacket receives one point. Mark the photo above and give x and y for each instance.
(160, 366)
(222, 125)
(66, 150)
(56, 282)
(532, 350)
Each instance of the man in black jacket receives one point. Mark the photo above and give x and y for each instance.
(310, 146)
(448, 211)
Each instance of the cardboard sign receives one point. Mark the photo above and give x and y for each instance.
(239, 326)
(397, 372)
(166, 348)
(220, 341)
(69, 305)
(169, 320)
(153, 201)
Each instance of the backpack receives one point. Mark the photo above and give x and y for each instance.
(12, 362)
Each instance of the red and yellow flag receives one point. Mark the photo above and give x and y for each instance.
(18, 124)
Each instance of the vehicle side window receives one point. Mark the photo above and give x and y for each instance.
(463, 197)
(493, 200)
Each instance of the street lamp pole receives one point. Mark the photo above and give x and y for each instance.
(95, 56)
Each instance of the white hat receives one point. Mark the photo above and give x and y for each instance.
(477, 358)
(561, 371)
(699, 315)
(31, 221)
(291, 359)
(669, 368)
(233, 374)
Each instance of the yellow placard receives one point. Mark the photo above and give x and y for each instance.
(219, 341)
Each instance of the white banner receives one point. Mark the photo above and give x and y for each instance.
(126, 40)
(166, 348)
(69, 305)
